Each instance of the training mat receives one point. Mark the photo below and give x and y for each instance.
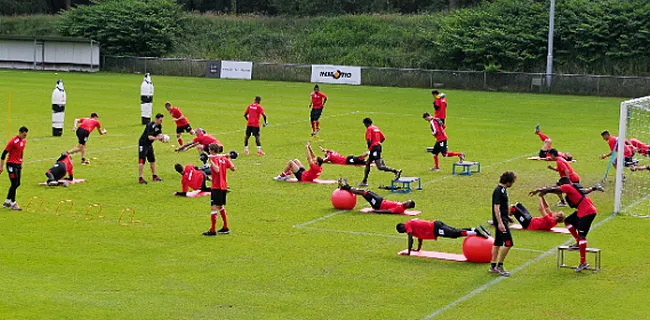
(538, 158)
(317, 181)
(436, 255)
(554, 230)
(69, 181)
(406, 213)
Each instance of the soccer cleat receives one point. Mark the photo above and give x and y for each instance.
(398, 174)
(490, 222)
(209, 233)
(260, 153)
(6, 205)
(85, 161)
(462, 157)
(574, 246)
(53, 183)
(16, 207)
(362, 184)
(561, 204)
(503, 272)
(142, 181)
(537, 129)
(434, 169)
(223, 231)
(582, 266)
(156, 179)
(281, 178)
(598, 187)
(493, 270)
(312, 134)
(246, 152)
(482, 232)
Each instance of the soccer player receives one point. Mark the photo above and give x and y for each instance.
(546, 222)
(297, 169)
(640, 146)
(219, 166)
(565, 171)
(374, 139)
(192, 177)
(431, 230)
(252, 115)
(579, 222)
(440, 105)
(334, 157)
(438, 130)
(548, 145)
(201, 142)
(62, 166)
(85, 127)
(182, 124)
(152, 132)
(14, 149)
(503, 237)
(628, 151)
(378, 204)
(318, 100)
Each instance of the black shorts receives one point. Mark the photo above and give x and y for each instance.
(354, 160)
(374, 199)
(523, 216)
(629, 161)
(82, 135)
(13, 171)
(502, 239)
(218, 197)
(564, 180)
(440, 147)
(315, 114)
(375, 153)
(299, 173)
(252, 131)
(543, 153)
(146, 153)
(186, 128)
(58, 171)
(582, 225)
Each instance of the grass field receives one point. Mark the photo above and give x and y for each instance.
(290, 255)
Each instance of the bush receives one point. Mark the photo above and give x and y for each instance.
(126, 27)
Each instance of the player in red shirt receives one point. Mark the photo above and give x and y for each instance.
(378, 204)
(641, 147)
(62, 166)
(182, 124)
(628, 152)
(374, 139)
(431, 230)
(219, 166)
(548, 145)
(334, 157)
(318, 100)
(565, 171)
(201, 142)
(14, 149)
(84, 127)
(546, 222)
(579, 222)
(192, 177)
(440, 105)
(252, 115)
(297, 169)
(438, 130)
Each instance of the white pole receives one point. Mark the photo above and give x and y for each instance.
(620, 157)
(549, 56)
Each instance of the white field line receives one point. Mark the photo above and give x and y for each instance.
(489, 284)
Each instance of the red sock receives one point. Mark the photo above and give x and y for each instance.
(454, 154)
(463, 233)
(180, 141)
(313, 126)
(224, 217)
(317, 125)
(542, 136)
(213, 219)
(573, 231)
(283, 174)
(583, 250)
(435, 158)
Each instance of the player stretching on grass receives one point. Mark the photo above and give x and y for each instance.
(502, 235)
(219, 166)
(152, 132)
(201, 142)
(334, 157)
(297, 169)
(548, 145)
(192, 177)
(318, 100)
(86, 126)
(581, 219)
(182, 125)
(641, 147)
(628, 152)
(14, 149)
(438, 130)
(252, 115)
(431, 230)
(374, 139)
(546, 222)
(62, 166)
(440, 105)
(378, 204)
(565, 171)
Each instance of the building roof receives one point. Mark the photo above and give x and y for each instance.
(35, 38)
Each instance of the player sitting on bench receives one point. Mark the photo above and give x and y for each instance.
(546, 222)
(334, 157)
(378, 204)
(431, 230)
(62, 166)
(193, 177)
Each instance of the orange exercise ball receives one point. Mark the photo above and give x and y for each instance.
(478, 249)
(344, 200)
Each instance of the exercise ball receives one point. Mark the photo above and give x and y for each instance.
(478, 249)
(344, 200)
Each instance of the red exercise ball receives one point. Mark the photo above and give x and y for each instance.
(344, 200)
(478, 249)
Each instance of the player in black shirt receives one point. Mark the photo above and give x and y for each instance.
(152, 132)
(502, 235)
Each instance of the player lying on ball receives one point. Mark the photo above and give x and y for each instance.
(431, 230)
(297, 169)
(192, 177)
(334, 157)
(378, 204)
(546, 222)
(547, 146)
(62, 166)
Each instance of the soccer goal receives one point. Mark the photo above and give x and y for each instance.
(632, 193)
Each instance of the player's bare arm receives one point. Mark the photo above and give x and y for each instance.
(266, 123)
(552, 168)
(214, 167)
(545, 190)
(497, 213)
(187, 146)
(76, 123)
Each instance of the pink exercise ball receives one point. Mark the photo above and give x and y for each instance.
(478, 249)
(344, 200)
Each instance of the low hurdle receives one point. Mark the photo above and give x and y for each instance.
(466, 168)
(561, 261)
(403, 184)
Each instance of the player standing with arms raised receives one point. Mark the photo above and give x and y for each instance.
(85, 127)
(318, 100)
(219, 166)
(252, 115)
(182, 124)
(152, 132)
(438, 130)
(14, 149)
(374, 138)
(439, 105)
(502, 235)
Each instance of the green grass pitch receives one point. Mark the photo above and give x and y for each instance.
(290, 254)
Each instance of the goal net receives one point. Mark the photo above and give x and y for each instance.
(632, 193)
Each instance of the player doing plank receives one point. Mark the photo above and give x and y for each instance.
(378, 204)
(334, 157)
(431, 230)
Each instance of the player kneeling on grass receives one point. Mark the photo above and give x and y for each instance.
(297, 169)
(378, 204)
(219, 165)
(193, 178)
(62, 166)
(334, 157)
(85, 127)
(431, 230)
(152, 132)
(580, 221)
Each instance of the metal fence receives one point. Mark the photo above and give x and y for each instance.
(596, 85)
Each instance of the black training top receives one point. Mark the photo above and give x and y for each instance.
(151, 129)
(500, 197)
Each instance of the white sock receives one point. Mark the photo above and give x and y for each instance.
(13, 203)
(245, 148)
(259, 148)
(8, 201)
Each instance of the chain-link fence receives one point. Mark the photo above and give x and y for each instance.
(600, 85)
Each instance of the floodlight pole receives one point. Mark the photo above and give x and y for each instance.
(549, 56)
